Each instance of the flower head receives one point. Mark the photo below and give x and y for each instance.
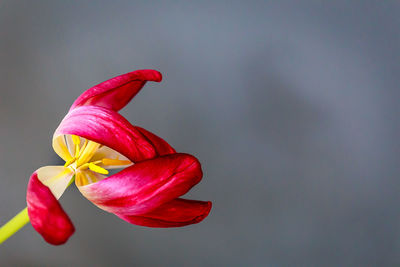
(94, 138)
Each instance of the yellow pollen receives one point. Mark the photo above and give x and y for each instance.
(97, 169)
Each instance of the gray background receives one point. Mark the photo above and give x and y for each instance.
(292, 108)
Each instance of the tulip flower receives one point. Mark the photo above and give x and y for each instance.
(94, 138)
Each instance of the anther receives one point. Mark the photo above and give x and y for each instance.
(97, 169)
(116, 162)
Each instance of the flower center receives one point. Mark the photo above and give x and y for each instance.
(82, 154)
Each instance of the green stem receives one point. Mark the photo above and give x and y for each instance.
(13, 225)
(19, 221)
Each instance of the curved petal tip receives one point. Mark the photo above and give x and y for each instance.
(117, 92)
(150, 75)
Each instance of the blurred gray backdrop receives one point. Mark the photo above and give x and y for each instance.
(291, 106)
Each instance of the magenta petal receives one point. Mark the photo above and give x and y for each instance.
(117, 92)
(46, 214)
(111, 129)
(176, 213)
(146, 185)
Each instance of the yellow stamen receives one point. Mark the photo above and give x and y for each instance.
(111, 162)
(76, 140)
(97, 169)
(88, 153)
(84, 166)
(83, 148)
(77, 148)
(69, 162)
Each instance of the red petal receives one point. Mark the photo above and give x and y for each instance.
(162, 147)
(146, 185)
(109, 128)
(46, 214)
(117, 92)
(176, 213)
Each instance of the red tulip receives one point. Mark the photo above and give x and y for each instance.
(93, 138)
